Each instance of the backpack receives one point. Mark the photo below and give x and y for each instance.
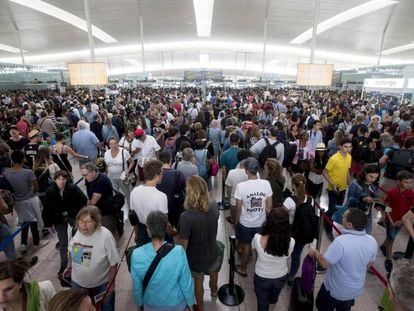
(201, 156)
(402, 159)
(8, 197)
(269, 151)
(290, 152)
(361, 152)
(309, 123)
(169, 145)
(305, 223)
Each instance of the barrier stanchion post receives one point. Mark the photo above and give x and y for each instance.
(319, 268)
(231, 294)
(223, 205)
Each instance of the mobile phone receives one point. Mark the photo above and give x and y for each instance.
(380, 206)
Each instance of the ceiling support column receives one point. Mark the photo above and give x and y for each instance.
(89, 27)
(265, 35)
(314, 32)
(20, 46)
(245, 64)
(141, 26)
(383, 34)
(162, 65)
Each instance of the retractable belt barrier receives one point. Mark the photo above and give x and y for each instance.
(4, 243)
(330, 222)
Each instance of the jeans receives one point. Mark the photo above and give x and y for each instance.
(325, 302)
(109, 303)
(297, 251)
(62, 234)
(334, 200)
(35, 233)
(267, 290)
(9, 249)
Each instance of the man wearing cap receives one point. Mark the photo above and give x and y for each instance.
(144, 148)
(253, 202)
(16, 141)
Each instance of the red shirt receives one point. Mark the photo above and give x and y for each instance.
(400, 202)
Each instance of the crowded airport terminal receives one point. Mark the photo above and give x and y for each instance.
(208, 155)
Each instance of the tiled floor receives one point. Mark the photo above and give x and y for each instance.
(48, 266)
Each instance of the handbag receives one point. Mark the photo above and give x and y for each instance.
(130, 178)
(133, 217)
(213, 168)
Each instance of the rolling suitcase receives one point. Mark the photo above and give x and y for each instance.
(301, 296)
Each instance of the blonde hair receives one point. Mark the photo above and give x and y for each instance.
(91, 211)
(196, 194)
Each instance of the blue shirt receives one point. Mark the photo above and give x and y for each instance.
(85, 143)
(349, 256)
(229, 158)
(171, 284)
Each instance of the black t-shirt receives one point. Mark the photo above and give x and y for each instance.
(101, 185)
(30, 152)
(200, 229)
(18, 145)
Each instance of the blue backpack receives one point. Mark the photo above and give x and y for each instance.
(201, 156)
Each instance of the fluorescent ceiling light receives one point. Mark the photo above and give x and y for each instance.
(398, 49)
(65, 16)
(343, 17)
(10, 49)
(133, 62)
(203, 10)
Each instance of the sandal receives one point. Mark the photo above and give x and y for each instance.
(242, 274)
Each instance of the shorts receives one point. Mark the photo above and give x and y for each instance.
(216, 266)
(392, 231)
(245, 235)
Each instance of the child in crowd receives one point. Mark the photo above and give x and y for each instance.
(400, 199)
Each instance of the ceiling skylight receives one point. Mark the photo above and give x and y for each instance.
(203, 10)
(65, 16)
(343, 17)
(10, 49)
(399, 49)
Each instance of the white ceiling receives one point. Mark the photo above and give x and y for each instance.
(237, 32)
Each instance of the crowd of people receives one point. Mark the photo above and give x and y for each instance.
(158, 152)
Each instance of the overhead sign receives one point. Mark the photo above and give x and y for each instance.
(200, 75)
(87, 73)
(314, 74)
(397, 83)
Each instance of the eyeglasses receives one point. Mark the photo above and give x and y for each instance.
(85, 222)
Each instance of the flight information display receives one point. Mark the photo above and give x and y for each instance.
(200, 75)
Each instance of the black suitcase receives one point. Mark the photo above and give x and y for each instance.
(300, 301)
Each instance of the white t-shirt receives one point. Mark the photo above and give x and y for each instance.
(114, 165)
(148, 149)
(290, 205)
(235, 177)
(253, 194)
(92, 256)
(145, 199)
(124, 143)
(269, 266)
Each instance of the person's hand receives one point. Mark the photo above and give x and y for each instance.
(313, 252)
(368, 199)
(67, 272)
(398, 223)
(51, 229)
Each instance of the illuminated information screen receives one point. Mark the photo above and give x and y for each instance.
(314, 74)
(87, 73)
(199, 75)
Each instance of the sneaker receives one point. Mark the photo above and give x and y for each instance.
(388, 265)
(33, 261)
(383, 250)
(41, 244)
(23, 248)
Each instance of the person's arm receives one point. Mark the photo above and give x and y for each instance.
(325, 174)
(268, 204)
(408, 220)
(319, 258)
(383, 160)
(238, 210)
(111, 275)
(35, 185)
(130, 164)
(70, 151)
(183, 243)
(95, 198)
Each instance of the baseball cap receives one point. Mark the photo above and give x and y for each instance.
(139, 132)
(252, 165)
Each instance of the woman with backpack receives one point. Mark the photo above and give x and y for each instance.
(274, 174)
(273, 245)
(317, 164)
(203, 152)
(303, 219)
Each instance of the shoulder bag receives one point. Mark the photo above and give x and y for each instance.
(162, 252)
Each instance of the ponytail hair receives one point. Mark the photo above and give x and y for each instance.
(299, 181)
